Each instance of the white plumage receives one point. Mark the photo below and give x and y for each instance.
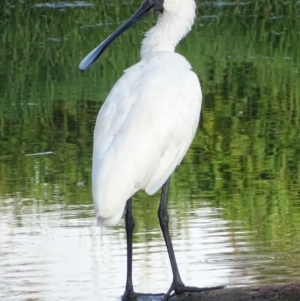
(143, 130)
(146, 126)
(149, 118)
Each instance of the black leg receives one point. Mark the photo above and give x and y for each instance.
(129, 225)
(163, 217)
(177, 285)
(129, 293)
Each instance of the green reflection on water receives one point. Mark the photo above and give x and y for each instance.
(245, 155)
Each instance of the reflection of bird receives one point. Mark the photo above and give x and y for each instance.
(146, 125)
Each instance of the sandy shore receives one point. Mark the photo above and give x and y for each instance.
(284, 292)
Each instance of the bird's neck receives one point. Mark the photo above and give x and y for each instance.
(171, 27)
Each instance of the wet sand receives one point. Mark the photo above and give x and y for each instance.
(284, 292)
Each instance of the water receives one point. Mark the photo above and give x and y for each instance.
(55, 257)
(234, 203)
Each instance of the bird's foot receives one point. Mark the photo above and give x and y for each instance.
(130, 295)
(179, 288)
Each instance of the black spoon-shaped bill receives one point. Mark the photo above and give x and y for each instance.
(147, 7)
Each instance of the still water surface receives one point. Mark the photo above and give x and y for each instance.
(235, 200)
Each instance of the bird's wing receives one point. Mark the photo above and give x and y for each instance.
(142, 133)
(177, 128)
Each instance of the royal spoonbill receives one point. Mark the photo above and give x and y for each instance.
(146, 125)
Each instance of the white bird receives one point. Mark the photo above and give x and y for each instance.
(146, 125)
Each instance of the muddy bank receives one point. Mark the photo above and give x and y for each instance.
(284, 292)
